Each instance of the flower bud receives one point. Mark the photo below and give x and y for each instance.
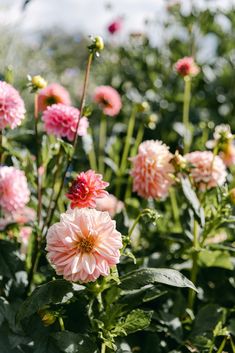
(143, 107)
(48, 317)
(38, 82)
(99, 43)
(179, 162)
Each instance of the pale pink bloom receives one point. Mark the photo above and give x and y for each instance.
(24, 235)
(86, 189)
(53, 94)
(14, 191)
(115, 26)
(228, 155)
(108, 99)
(152, 170)
(12, 109)
(207, 170)
(187, 66)
(22, 216)
(110, 204)
(61, 120)
(83, 245)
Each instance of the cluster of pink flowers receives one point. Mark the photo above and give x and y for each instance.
(12, 109)
(84, 245)
(53, 94)
(152, 170)
(61, 120)
(86, 189)
(207, 170)
(14, 191)
(187, 67)
(108, 99)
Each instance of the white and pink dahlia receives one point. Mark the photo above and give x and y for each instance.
(12, 109)
(108, 99)
(207, 170)
(53, 94)
(84, 245)
(61, 120)
(14, 191)
(152, 170)
(110, 204)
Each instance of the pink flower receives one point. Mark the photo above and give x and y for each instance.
(152, 170)
(207, 171)
(228, 155)
(187, 67)
(86, 188)
(108, 99)
(61, 120)
(110, 204)
(53, 94)
(14, 191)
(115, 26)
(24, 235)
(83, 245)
(12, 109)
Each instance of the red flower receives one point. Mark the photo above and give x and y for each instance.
(86, 188)
(115, 26)
(187, 67)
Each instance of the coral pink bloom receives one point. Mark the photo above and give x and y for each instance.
(53, 94)
(83, 245)
(12, 109)
(108, 99)
(228, 155)
(187, 67)
(86, 188)
(207, 171)
(152, 170)
(61, 120)
(110, 204)
(14, 191)
(115, 26)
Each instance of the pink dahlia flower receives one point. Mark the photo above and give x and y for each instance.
(151, 170)
(110, 204)
(187, 67)
(86, 188)
(12, 109)
(61, 120)
(53, 94)
(14, 191)
(83, 245)
(108, 99)
(115, 26)
(228, 155)
(207, 171)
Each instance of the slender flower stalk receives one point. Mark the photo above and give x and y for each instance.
(103, 348)
(194, 270)
(91, 153)
(102, 142)
(186, 106)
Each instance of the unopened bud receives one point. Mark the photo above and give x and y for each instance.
(178, 161)
(48, 317)
(143, 107)
(38, 82)
(97, 45)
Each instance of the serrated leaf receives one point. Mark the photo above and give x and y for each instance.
(136, 320)
(70, 342)
(193, 201)
(57, 291)
(145, 276)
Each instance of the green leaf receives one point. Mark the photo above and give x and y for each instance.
(206, 320)
(144, 276)
(67, 147)
(136, 320)
(215, 258)
(70, 342)
(193, 201)
(57, 291)
(9, 259)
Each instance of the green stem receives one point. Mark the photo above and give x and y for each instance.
(103, 348)
(91, 153)
(175, 208)
(232, 344)
(194, 270)
(187, 96)
(39, 191)
(61, 322)
(127, 145)
(221, 347)
(102, 142)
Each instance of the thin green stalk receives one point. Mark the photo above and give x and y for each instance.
(175, 208)
(223, 343)
(61, 322)
(232, 344)
(126, 149)
(91, 153)
(103, 348)
(186, 105)
(102, 142)
(194, 270)
(39, 191)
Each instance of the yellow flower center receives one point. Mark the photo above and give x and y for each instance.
(86, 244)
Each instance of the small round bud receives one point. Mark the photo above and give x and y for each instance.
(48, 317)
(179, 162)
(99, 43)
(143, 107)
(38, 82)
